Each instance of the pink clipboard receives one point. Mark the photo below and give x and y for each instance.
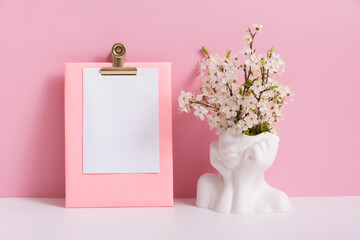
(115, 189)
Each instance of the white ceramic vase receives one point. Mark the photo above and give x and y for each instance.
(240, 186)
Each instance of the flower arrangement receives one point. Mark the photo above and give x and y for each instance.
(251, 107)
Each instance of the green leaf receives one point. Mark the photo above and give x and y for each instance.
(248, 82)
(255, 130)
(273, 87)
(228, 53)
(205, 50)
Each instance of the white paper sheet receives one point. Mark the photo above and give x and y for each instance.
(120, 122)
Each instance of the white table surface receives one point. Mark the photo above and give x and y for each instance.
(46, 218)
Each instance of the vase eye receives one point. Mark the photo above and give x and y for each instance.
(229, 154)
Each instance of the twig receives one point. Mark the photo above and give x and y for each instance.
(204, 104)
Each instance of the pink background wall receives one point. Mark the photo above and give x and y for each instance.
(319, 41)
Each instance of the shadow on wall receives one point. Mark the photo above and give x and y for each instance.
(44, 172)
(188, 152)
(47, 166)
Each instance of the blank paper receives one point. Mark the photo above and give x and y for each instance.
(120, 122)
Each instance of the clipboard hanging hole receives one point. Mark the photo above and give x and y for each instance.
(118, 49)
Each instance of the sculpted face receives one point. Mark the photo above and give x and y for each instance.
(230, 150)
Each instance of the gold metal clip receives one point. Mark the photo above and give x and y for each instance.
(118, 53)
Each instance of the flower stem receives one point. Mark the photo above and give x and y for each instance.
(204, 104)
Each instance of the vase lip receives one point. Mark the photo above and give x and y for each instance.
(261, 135)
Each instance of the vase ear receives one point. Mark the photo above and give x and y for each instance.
(215, 157)
(214, 152)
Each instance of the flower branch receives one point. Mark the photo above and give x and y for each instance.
(249, 106)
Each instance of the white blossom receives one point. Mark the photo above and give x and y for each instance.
(230, 111)
(257, 86)
(251, 120)
(258, 27)
(202, 67)
(246, 51)
(253, 63)
(256, 74)
(234, 130)
(264, 107)
(242, 125)
(268, 94)
(248, 39)
(184, 99)
(200, 112)
(249, 103)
